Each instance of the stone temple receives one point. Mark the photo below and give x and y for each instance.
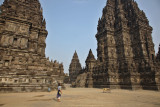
(23, 65)
(125, 51)
(74, 68)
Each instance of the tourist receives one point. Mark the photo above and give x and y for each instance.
(59, 92)
(49, 89)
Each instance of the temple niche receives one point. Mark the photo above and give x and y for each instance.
(125, 50)
(23, 65)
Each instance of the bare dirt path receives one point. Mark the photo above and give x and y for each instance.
(82, 97)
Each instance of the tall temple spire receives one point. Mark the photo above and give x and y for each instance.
(125, 50)
(22, 48)
(74, 68)
(124, 42)
(123, 15)
(23, 10)
(90, 56)
(75, 56)
(90, 61)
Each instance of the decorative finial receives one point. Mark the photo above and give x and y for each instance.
(44, 23)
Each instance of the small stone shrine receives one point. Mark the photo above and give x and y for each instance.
(74, 68)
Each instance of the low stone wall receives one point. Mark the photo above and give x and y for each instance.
(28, 83)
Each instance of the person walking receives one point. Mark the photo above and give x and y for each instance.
(59, 93)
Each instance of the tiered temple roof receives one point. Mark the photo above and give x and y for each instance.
(74, 67)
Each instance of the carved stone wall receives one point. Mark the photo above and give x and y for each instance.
(22, 48)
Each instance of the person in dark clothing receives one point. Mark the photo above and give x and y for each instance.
(59, 93)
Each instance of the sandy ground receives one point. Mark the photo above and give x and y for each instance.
(82, 97)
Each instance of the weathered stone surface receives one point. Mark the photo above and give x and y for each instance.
(84, 78)
(126, 56)
(158, 55)
(74, 68)
(23, 65)
(81, 80)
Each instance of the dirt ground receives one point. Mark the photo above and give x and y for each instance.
(82, 97)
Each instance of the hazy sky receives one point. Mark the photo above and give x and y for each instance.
(72, 25)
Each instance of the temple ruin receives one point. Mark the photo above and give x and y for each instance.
(23, 65)
(74, 68)
(125, 50)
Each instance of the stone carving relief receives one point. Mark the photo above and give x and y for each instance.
(24, 43)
